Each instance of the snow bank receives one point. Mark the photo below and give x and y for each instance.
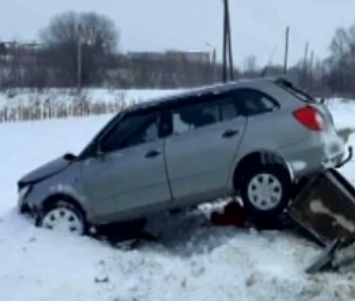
(194, 261)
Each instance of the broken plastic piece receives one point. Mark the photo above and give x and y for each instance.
(325, 207)
(344, 257)
(349, 157)
(324, 259)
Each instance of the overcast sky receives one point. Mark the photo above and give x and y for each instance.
(145, 25)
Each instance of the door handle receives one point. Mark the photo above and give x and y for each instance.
(152, 154)
(230, 133)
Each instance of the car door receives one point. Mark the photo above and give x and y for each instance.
(268, 123)
(130, 174)
(206, 134)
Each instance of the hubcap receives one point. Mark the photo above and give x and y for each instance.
(265, 191)
(63, 220)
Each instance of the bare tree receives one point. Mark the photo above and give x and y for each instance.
(341, 63)
(250, 67)
(80, 43)
(250, 63)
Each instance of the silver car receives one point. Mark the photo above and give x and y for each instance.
(253, 138)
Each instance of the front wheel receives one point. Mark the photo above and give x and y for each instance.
(63, 216)
(266, 190)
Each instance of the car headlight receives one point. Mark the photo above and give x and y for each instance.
(23, 192)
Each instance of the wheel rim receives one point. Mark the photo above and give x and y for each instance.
(265, 191)
(63, 220)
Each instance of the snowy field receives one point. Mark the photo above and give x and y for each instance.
(31, 104)
(25, 97)
(193, 262)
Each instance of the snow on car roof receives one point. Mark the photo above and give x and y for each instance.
(197, 92)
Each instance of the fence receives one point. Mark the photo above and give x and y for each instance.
(49, 109)
(52, 109)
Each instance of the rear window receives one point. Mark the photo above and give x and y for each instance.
(295, 91)
(255, 102)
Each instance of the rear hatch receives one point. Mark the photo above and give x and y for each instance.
(334, 145)
(308, 100)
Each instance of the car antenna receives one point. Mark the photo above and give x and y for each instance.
(265, 69)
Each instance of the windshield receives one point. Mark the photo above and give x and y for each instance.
(94, 142)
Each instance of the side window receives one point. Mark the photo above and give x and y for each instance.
(255, 102)
(134, 130)
(195, 115)
(229, 109)
(268, 103)
(147, 133)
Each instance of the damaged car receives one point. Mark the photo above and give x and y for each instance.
(252, 138)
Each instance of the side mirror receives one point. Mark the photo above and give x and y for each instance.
(69, 157)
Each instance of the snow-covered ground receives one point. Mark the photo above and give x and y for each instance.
(194, 261)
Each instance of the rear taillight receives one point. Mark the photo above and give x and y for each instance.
(310, 118)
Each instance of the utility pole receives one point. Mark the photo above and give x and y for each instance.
(311, 62)
(286, 49)
(224, 71)
(231, 71)
(306, 53)
(79, 60)
(305, 65)
(310, 71)
(35, 47)
(305, 59)
(228, 69)
(214, 62)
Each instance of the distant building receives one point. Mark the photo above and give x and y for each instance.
(12, 50)
(154, 56)
(204, 57)
(192, 56)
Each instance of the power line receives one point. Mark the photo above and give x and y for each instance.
(277, 17)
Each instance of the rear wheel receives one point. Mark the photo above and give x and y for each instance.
(63, 216)
(266, 190)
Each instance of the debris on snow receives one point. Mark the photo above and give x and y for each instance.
(104, 279)
(251, 280)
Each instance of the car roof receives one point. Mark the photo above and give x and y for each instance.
(199, 92)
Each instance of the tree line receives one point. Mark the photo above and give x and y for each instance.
(82, 50)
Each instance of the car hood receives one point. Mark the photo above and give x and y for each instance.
(45, 171)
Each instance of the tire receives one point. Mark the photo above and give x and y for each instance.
(63, 216)
(266, 190)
